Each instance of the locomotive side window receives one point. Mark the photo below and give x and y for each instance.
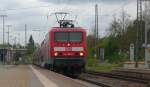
(61, 36)
(75, 36)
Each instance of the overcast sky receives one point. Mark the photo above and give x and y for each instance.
(34, 14)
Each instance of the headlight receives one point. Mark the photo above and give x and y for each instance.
(81, 54)
(56, 54)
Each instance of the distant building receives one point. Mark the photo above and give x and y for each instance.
(2, 54)
(8, 55)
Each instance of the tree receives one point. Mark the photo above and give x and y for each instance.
(118, 30)
(31, 45)
(117, 42)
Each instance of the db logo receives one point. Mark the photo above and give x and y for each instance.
(68, 49)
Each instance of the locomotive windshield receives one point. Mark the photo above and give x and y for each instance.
(75, 36)
(61, 36)
(68, 36)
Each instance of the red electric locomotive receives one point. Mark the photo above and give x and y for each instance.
(64, 48)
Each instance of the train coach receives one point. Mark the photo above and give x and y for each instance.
(64, 48)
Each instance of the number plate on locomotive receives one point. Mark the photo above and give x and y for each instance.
(59, 48)
(77, 48)
(68, 48)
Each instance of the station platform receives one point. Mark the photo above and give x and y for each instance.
(135, 65)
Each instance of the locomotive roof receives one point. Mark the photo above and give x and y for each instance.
(67, 29)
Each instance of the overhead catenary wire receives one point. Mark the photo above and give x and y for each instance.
(25, 8)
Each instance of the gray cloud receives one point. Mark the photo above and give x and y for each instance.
(84, 1)
(5, 4)
(37, 16)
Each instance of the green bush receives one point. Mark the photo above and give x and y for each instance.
(91, 61)
(28, 59)
(118, 58)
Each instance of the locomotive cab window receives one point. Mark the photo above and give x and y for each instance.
(61, 36)
(75, 36)
(68, 36)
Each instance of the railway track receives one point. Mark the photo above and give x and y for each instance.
(113, 75)
(101, 84)
(120, 76)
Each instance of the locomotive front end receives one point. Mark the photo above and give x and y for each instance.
(69, 49)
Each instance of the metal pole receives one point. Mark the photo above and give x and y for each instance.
(139, 18)
(3, 16)
(8, 35)
(97, 22)
(3, 30)
(97, 33)
(15, 41)
(96, 30)
(123, 19)
(146, 30)
(25, 35)
(3, 38)
(8, 32)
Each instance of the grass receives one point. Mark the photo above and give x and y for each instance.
(106, 67)
(94, 65)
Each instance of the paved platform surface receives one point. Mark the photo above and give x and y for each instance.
(18, 76)
(32, 76)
